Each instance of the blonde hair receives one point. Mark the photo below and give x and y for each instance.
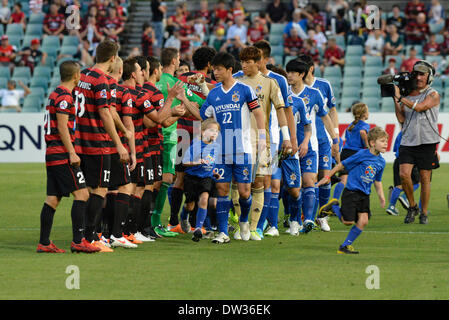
(358, 111)
(208, 122)
(377, 133)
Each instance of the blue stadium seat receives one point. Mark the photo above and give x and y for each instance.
(25, 80)
(332, 71)
(372, 71)
(373, 103)
(277, 28)
(354, 50)
(21, 72)
(353, 61)
(352, 81)
(40, 82)
(3, 82)
(350, 92)
(373, 61)
(15, 40)
(398, 60)
(32, 104)
(42, 71)
(276, 39)
(34, 30)
(36, 18)
(50, 41)
(14, 29)
(353, 71)
(70, 41)
(71, 50)
(370, 92)
(5, 73)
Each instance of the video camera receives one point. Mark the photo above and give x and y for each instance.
(406, 82)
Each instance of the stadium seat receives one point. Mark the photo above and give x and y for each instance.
(37, 91)
(370, 82)
(418, 49)
(34, 30)
(14, 29)
(32, 104)
(353, 61)
(334, 81)
(21, 72)
(373, 61)
(40, 82)
(70, 41)
(15, 40)
(369, 92)
(445, 104)
(350, 92)
(51, 51)
(373, 103)
(50, 41)
(354, 50)
(352, 82)
(25, 80)
(438, 84)
(3, 82)
(278, 59)
(340, 40)
(372, 71)
(42, 71)
(431, 59)
(5, 73)
(387, 105)
(277, 50)
(36, 19)
(50, 62)
(352, 71)
(8, 110)
(398, 60)
(26, 41)
(332, 71)
(71, 50)
(276, 39)
(277, 28)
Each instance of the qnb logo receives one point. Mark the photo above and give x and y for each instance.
(73, 20)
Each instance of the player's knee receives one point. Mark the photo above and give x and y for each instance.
(189, 206)
(245, 194)
(81, 195)
(204, 198)
(347, 223)
(294, 192)
(52, 201)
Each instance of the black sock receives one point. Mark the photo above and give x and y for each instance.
(192, 215)
(176, 201)
(121, 213)
(109, 215)
(212, 213)
(47, 214)
(78, 210)
(132, 218)
(152, 204)
(144, 211)
(94, 209)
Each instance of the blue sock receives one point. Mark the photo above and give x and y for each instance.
(184, 214)
(324, 194)
(352, 235)
(337, 211)
(201, 215)
(317, 203)
(308, 202)
(170, 188)
(338, 190)
(415, 186)
(274, 210)
(285, 196)
(266, 208)
(223, 206)
(296, 209)
(420, 205)
(207, 225)
(245, 207)
(395, 195)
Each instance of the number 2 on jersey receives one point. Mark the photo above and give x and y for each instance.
(227, 117)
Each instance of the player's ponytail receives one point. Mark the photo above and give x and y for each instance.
(358, 111)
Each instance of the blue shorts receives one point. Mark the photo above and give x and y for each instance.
(291, 174)
(309, 163)
(324, 156)
(240, 171)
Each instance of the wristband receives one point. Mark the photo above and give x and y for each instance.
(285, 133)
(335, 141)
(414, 105)
(262, 134)
(327, 177)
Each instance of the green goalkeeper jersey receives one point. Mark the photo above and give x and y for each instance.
(170, 134)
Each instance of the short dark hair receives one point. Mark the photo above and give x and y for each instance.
(141, 61)
(184, 63)
(106, 50)
(297, 66)
(129, 66)
(224, 59)
(306, 58)
(154, 63)
(264, 45)
(167, 56)
(202, 56)
(68, 69)
(250, 53)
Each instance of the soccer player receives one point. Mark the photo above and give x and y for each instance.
(96, 133)
(365, 168)
(170, 63)
(269, 96)
(230, 105)
(297, 71)
(199, 161)
(64, 175)
(166, 116)
(198, 82)
(324, 139)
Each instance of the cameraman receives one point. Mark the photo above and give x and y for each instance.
(418, 114)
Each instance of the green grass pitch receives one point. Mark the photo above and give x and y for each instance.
(412, 259)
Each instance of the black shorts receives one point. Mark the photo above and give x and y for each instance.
(120, 174)
(397, 177)
(345, 154)
(194, 186)
(179, 167)
(63, 179)
(156, 160)
(149, 171)
(352, 203)
(97, 170)
(423, 156)
(138, 175)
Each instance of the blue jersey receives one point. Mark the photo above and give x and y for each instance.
(364, 168)
(231, 109)
(302, 117)
(353, 139)
(314, 102)
(397, 144)
(325, 89)
(197, 151)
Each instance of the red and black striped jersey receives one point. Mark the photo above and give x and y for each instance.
(123, 105)
(141, 107)
(112, 100)
(155, 136)
(91, 95)
(59, 101)
(186, 123)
